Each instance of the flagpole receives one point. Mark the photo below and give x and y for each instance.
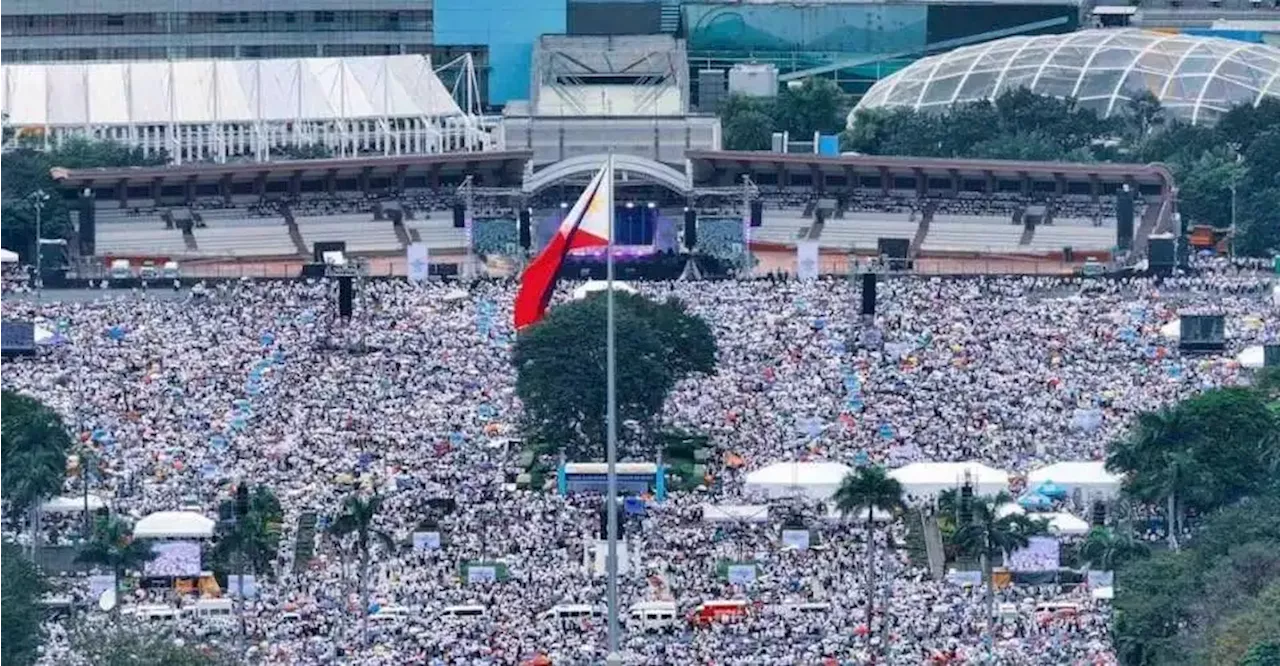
(611, 449)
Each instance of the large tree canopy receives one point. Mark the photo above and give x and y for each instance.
(33, 447)
(560, 366)
(22, 586)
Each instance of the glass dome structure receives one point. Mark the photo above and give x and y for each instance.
(1196, 78)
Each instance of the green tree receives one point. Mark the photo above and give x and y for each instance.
(113, 548)
(1106, 550)
(1204, 186)
(22, 631)
(128, 645)
(1265, 652)
(748, 122)
(560, 370)
(812, 106)
(33, 451)
(357, 522)
(251, 542)
(990, 535)
(1152, 602)
(1144, 113)
(864, 492)
(1156, 461)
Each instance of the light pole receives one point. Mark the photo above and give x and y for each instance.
(37, 200)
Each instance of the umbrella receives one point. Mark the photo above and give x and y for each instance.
(1051, 490)
(1034, 501)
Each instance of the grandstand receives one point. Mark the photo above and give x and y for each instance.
(590, 94)
(944, 207)
(229, 110)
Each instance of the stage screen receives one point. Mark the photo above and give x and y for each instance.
(1041, 554)
(174, 559)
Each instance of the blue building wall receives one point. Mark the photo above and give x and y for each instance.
(509, 29)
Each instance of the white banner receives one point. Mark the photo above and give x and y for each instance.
(798, 539)
(807, 260)
(481, 574)
(417, 261)
(742, 574)
(426, 541)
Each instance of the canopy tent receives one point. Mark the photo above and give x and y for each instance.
(1090, 477)
(816, 480)
(174, 525)
(926, 479)
(834, 515)
(72, 504)
(1062, 524)
(8, 256)
(593, 286)
(1173, 329)
(1252, 357)
(735, 513)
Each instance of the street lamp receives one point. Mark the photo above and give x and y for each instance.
(37, 200)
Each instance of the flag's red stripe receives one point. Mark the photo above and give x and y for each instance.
(539, 280)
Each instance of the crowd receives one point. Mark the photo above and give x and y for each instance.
(183, 398)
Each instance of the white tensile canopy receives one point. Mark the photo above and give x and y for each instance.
(1089, 476)
(926, 479)
(593, 286)
(8, 256)
(1172, 330)
(71, 504)
(1063, 524)
(816, 480)
(174, 525)
(735, 513)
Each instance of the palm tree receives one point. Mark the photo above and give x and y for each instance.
(990, 535)
(113, 547)
(869, 490)
(357, 519)
(252, 540)
(90, 467)
(1157, 462)
(1105, 550)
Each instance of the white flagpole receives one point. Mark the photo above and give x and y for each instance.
(611, 449)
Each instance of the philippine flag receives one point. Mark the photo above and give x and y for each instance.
(587, 225)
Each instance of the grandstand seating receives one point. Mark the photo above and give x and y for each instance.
(263, 240)
(437, 234)
(973, 237)
(862, 231)
(359, 231)
(139, 238)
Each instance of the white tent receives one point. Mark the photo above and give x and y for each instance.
(816, 480)
(1252, 357)
(71, 504)
(1091, 477)
(1275, 295)
(926, 479)
(834, 516)
(593, 286)
(1062, 524)
(8, 256)
(174, 525)
(1172, 329)
(735, 513)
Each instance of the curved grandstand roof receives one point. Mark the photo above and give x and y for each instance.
(1196, 78)
(223, 91)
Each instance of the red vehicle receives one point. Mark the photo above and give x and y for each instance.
(719, 610)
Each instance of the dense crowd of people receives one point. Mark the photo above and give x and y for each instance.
(256, 381)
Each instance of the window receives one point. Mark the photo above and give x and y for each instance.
(324, 17)
(290, 17)
(225, 18)
(115, 20)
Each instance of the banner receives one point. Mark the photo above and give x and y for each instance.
(807, 260)
(481, 574)
(417, 261)
(797, 539)
(426, 541)
(1041, 554)
(742, 574)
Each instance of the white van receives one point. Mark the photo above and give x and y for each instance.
(653, 615)
(571, 613)
(211, 608)
(390, 614)
(464, 611)
(153, 612)
(148, 271)
(170, 270)
(121, 270)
